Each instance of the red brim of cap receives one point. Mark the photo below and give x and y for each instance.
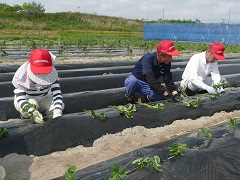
(173, 53)
(41, 70)
(219, 57)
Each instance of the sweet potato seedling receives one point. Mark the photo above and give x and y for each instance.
(148, 162)
(101, 116)
(31, 115)
(126, 111)
(233, 123)
(117, 173)
(159, 106)
(192, 103)
(3, 133)
(70, 174)
(206, 132)
(177, 149)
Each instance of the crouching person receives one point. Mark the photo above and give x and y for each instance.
(37, 88)
(201, 72)
(145, 76)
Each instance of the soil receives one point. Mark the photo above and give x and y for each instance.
(108, 146)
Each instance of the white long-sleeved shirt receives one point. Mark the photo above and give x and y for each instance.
(197, 70)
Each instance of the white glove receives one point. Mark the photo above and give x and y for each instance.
(57, 113)
(220, 90)
(210, 90)
(37, 117)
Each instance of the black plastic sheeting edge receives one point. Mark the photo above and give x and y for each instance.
(81, 129)
(100, 82)
(215, 158)
(74, 102)
(79, 101)
(12, 68)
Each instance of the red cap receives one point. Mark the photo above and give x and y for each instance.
(167, 47)
(217, 49)
(40, 61)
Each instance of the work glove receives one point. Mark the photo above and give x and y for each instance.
(210, 90)
(220, 90)
(57, 113)
(35, 115)
(177, 98)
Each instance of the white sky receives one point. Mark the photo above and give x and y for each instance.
(204, 10)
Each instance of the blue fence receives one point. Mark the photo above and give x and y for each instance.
(199, 32)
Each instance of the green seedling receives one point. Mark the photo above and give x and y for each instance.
(3, 133)
(213, 96)
(70, 174)
(26, 110)
(193, 103)
(222, 84)
(117, 173)
(159, 106)
(126, 111)
(101, 116)
(182, 92)
(207, 133)
(233, 123)
(177, 149)
(148, 162)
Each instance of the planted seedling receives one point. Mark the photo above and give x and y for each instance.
(126, 111)
(3, 133)
(101, 116)
(70, 174)
(117, 173)
(193, 103)
(177, 149)
(31, 114)
(233, 123)
(148, 162)
(159, 106)
(206, 132)
(182, 92)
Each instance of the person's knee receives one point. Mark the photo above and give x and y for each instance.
(33, 101)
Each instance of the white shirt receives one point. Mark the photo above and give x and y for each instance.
(197, 70)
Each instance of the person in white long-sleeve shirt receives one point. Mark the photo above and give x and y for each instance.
(201, 72)
(37, 88)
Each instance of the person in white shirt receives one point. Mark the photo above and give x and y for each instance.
(37, 88)
(201, 72)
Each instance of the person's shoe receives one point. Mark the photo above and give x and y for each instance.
(129, 99)
(190, 92)
(144, 99)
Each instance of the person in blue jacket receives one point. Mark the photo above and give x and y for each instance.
(145, 77)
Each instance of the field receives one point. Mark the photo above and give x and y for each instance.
(102, 141)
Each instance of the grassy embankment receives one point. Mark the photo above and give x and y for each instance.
(80, 29)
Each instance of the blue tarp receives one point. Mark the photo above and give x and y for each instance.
(195, 32)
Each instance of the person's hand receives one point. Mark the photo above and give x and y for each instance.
(57, 113)
(37, 117)
(210, 90)
(177, 98)
(220, 90)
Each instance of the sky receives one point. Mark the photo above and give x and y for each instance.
(205, 10)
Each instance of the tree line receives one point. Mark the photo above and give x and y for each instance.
(26, 7)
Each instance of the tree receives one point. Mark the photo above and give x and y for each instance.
(34, 7)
